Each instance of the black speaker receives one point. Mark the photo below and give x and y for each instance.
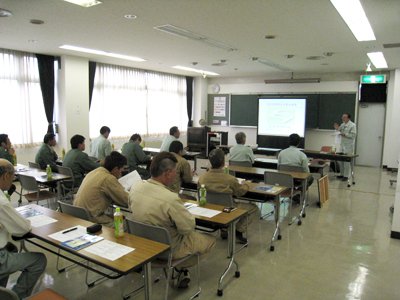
(373, 92)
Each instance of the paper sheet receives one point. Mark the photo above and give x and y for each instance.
(109, 250)
(204, 212)
(128, 180)
(338, 138)
(41, 220)
(195, 178)
(63, 237)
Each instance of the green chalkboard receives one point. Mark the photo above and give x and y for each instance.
(322, 110)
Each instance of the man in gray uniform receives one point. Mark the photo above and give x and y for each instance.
(78, 161)
(46, 155)
(348, 134)
(240, 152)
(100, 147)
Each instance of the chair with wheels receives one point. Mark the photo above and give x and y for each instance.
(280, 179)
(161, 235)
(30, 184)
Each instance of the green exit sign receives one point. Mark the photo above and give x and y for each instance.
(373, 79)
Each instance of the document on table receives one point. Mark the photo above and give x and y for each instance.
(82, 241)
(28, 212)
(241, 180)
(203, 212)
(270, 189)
(109, 250)
(41, 220)
(63, 237)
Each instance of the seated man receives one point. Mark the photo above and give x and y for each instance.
(183, 170)
(101, 188)
(174, 135)
(240, 152)
(294, 157)
(78, 161)
(100, 147)
(31, 264)
(46, 155)
(217, 181)
(7, 152)
(152, 203)
(135, 155)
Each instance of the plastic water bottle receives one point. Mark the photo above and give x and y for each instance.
(143, 144)
(48, 172)
(112, 147)
(15, 159)
(7, 195)
(203, 194)
(333, 149)
(63, 153)
(119, 223)
(226, 169)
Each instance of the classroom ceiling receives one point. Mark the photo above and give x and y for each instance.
(302, 28)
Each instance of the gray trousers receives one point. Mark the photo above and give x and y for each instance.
(345, 166)
(30, 264)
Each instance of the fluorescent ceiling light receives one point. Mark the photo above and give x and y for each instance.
(377, 59)
(273, 65)
(195, 70)
(85, 3)
(353, 14)
(99, 52)
(193, 36)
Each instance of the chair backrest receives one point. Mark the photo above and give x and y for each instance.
(224, 199)
(326, 148)
(290, 168)
(28, 183)
(7, 294)
(150, 232)
(75, 211)
(68, 172)
(34, 165)
(240, 163)
(276, 178)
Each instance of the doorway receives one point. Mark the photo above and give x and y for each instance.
(370, 133)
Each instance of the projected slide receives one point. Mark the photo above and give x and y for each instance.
(281, 117)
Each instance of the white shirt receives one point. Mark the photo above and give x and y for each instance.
(11, 222)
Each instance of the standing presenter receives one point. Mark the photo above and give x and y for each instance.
(347, 131)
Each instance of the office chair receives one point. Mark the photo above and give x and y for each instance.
(30, 184)
(34, 165)
(67, 185)
(161, 235)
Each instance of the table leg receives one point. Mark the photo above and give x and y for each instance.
(231, 248)
(277, 232)
(147, 281)
(351, 177)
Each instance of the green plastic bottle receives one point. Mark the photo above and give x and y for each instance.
(203, 195)
(119, 223)
(48, 172)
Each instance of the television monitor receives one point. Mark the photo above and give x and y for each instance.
(197, 136)
(375, 92)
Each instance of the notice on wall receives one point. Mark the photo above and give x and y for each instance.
(219, 106)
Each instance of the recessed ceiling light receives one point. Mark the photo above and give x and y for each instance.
(269, 37)
(254, 58)
(324, 64)
(289, 55)
(194, 63)
(377, 59)
(195, 70)
(31, 41)
(370, 47)
(328, 53)
(85, 3)
(314, 57)
(354, 16)
(130, 16)
(5, 13)
(100, 52)
(222, 60)
(36, 22)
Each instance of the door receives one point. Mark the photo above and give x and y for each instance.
(370, 131)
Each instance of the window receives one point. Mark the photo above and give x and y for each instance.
(132, 101)
(23, 117)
